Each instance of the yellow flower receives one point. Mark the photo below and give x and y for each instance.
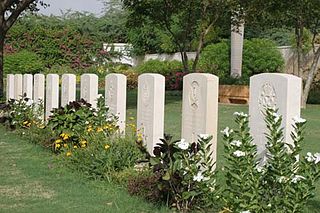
(131, 118)
(57, 145)
(89, 129)
(25, 122)
(58, 141)
(68, 154)
(83, 145)
(83, 141)
(75, 146)
(65, 145)
(139, 137)
(42, 126)
(99, 129)
(106, 147)
(65, 136)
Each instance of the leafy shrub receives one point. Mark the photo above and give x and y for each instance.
(184, 171)
(259, 55)
(314, 94)
(76, 121)
(283, 183)
(24, 113)
(23, 62)
(105, 156)
(162, 67)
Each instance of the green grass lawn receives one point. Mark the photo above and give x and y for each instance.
(32, 181)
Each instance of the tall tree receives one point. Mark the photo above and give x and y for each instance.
(299, 15)
(185, 22)
(10, 10)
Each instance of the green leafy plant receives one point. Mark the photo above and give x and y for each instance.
(77, 120)
(186, 178)
(283, 183)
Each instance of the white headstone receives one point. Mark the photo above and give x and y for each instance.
(68, 90)
(38, 88)
(150, 115)
(282, 91)
(200, 108)
(10, 87)
(52, 93)
(237, 34)
(28, 85)
(18, 86)
(89, 88)
(116, 97)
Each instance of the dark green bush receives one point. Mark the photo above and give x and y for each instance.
(23, 62)
(314, 94)
(259, 55)
(162, 67)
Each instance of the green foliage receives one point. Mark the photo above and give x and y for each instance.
(23, 62)
(281, 36)
(283, 182)
(162, 67)
(24, 113)
(105, 156)
(75, 122)
(259, 55)
(186, 177)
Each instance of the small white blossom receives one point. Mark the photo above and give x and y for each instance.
(297, 178)
(241, 114)
(99, 96)
(87, 122)
(298, 120)
(239, 153)
(236, 143)
(204, 136)
(317, 158)
(198, 177)
(310, 157)
(182, 144)
(245, 211)
(259, 168)
(276, 117)
(227, 131)
(282, 179)
(29, 102)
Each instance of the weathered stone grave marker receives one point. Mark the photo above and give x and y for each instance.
(150, 110)
(68, 89)
(38, 88)
(276, 90)
(116, 96)
(10, 87)
(89, 88)
(28, 85)
(18, 86)
(200, 108)
(52, 93)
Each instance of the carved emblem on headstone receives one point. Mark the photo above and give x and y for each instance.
(111, 89)
(268, 96)
(194, 95)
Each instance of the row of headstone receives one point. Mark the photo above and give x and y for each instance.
(199, 108)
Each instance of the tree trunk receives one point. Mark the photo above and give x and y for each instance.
(2, 37)
(184, 58)
(299, 37)
(312, 73)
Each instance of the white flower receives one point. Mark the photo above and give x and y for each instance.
(282, 179)
(245, 211)
(298, 120)
(227, 131)
(310, 157)
(236, 143)
(276, 117)
(259, 168)
(239, 153)
(29, 102)
(87, 122)
(182, 144)
(99, 96)
(198, 177)
(317, 158)
(241, 114)
(297, 178)
(204, 136)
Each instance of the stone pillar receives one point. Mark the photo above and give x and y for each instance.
(236, 50)
(89, 88)
(282, 91)
(28, 85)
(52, 93)
(38, 88)
(116, 97)
(18, 86)
(68, 90)
(150, 114)
(200, 108)
(10, 87)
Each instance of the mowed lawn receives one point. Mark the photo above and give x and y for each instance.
(31, 180)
